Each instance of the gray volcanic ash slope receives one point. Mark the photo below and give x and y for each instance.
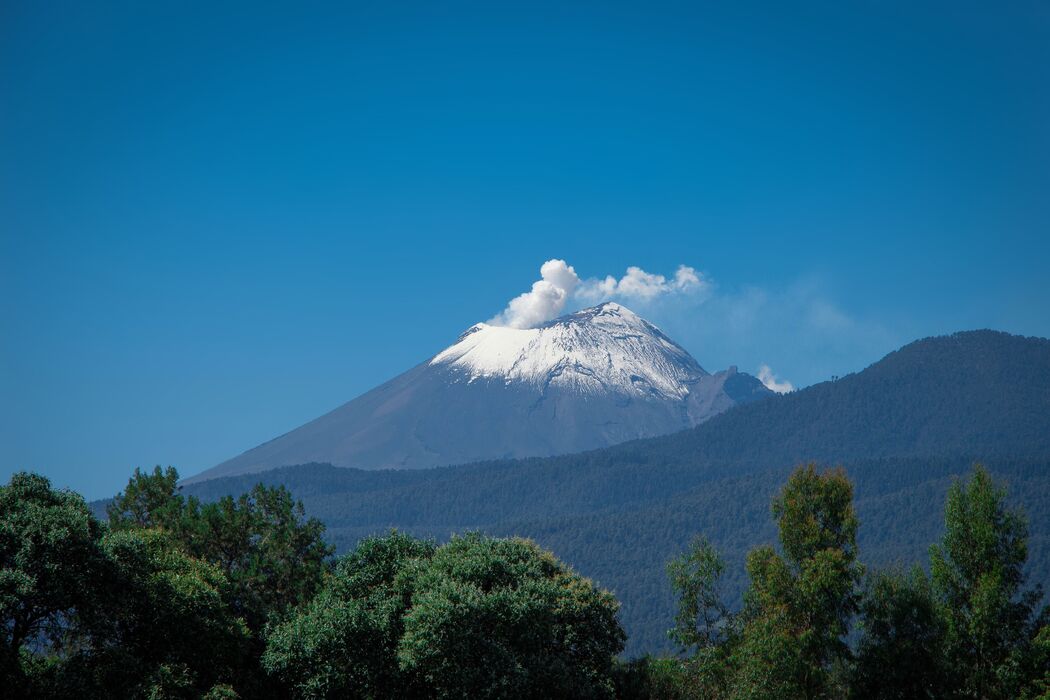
(590, 379)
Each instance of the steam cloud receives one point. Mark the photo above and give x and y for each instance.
(559, 283)
(639, 284)
(766, 376)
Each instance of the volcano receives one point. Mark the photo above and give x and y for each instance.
(590, 379)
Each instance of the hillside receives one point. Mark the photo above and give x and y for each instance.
(960, 394)
(903, 427)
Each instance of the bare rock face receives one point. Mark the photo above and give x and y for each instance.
(591, 379)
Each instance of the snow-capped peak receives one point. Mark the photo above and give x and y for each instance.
(597, 350)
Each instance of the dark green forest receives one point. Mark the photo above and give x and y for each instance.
(620, 528)
(172, 597)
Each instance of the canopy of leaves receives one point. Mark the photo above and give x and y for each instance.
(703, 619)
(91, 614)
(476, 617)
(799, 606)
(164, 626)
(978, 576)
(344, 642)
(49, 557)
(901, 649)
(969, 630)
(273, 555)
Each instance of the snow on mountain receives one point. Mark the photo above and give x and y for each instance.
(586, 380)
(601, 349)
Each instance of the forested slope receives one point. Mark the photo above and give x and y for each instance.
(625, 543)
(902, 427)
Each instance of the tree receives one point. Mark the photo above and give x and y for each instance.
(92, 614)
(768, 662)
(273, 557)
(161, 626)
(704, 627)
(901, 649)
(655, 678)
(798, 607)
(1039, 686)
(344, 642)
(992, 625)
(48, 559)
(503, 618)
(476, 617)
(150, 500)
(702, 618)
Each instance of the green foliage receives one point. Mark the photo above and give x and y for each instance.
(344, 642)
(653, 678)
(273, 557)
(166, 620)
(619, 523)
(171, 602)
(531, 626)
(272, 554)
(901, 648)
(48, 559)
(969, 630)
(1039, 659)
(798, 608)
(703, 620)
(768, 660)
(474, 618)
(92, 614)
(978, 574)
(150, 500)
(815, 514)
(334, 647)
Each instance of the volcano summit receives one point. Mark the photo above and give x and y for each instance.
(590, 379)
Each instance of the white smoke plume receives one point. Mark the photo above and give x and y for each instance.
(766, 376)
(639, 284)
(559, 283)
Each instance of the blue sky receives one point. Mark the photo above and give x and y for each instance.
(219, 222)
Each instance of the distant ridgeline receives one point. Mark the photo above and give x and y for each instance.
(903, 427)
